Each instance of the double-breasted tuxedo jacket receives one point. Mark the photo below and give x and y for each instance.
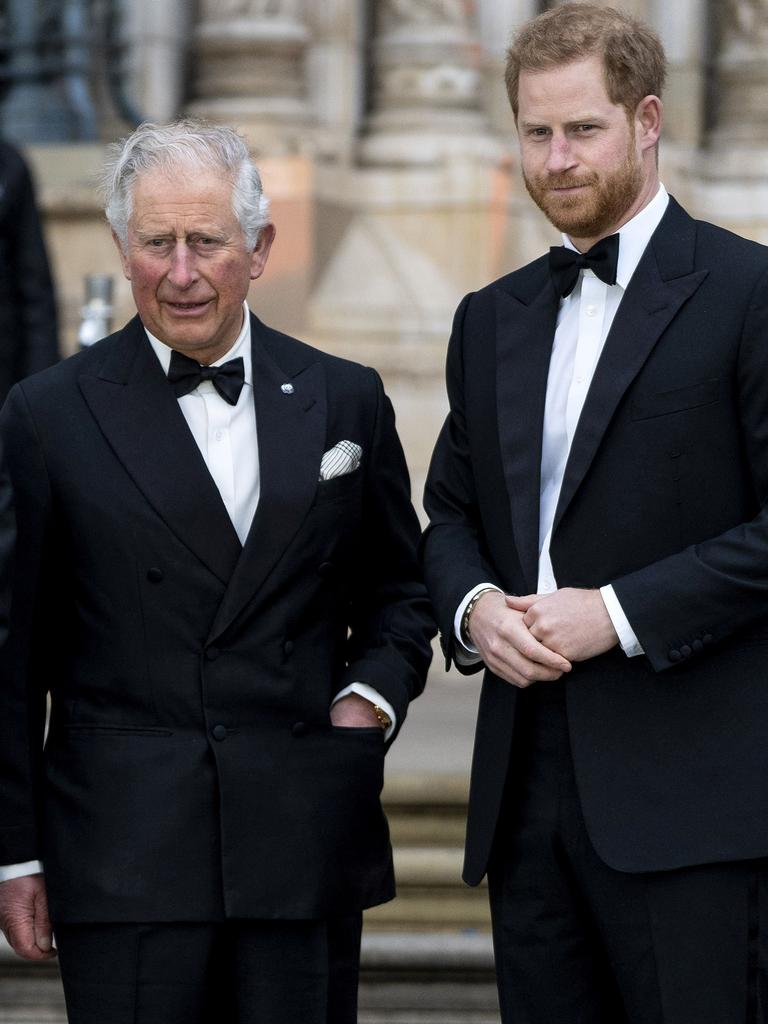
(191, 771)
(664, 497)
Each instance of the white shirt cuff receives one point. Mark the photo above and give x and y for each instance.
(629, 642)
(467, 654)
(368, 692)
(30, 867)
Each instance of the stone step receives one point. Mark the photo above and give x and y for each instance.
(427, 816)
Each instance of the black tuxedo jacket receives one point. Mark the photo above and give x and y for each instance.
(191, 771)
(664, 496)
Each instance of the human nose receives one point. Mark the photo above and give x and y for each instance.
(183, 269)
(560, 157)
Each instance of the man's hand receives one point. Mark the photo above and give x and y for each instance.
(508, 647)
(575, 623)
(354, 711)
(24, 917)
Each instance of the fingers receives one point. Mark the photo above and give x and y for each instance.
(521, 602)
(24, 917)
(43, 933)
(512, 653)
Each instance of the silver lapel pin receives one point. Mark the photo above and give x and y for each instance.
(287, 389)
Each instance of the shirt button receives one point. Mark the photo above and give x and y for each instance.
(219, 732)
(591, 310)
(218, 435)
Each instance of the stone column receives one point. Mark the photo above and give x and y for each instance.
(248, 68)
(741, 70)
(426, 83)
(157, 37)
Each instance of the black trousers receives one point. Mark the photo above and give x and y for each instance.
(236, 972)
(579, 943)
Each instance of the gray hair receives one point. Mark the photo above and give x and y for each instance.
(184, 144)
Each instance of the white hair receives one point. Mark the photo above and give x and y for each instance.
(184, 145)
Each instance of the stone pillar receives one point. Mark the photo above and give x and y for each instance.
(741, 115)
(426, 83)
(156, 37)
(732, 170)
(248, 66)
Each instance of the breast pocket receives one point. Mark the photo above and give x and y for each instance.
(663, 403)
(339, 488)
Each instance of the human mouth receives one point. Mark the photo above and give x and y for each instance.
(188, 308)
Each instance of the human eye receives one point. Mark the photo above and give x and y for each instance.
(205, 243)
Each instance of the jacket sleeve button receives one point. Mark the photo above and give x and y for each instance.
(288, 647)
(708, 638)
(675, 655)
(299, 729)
(698, 646)
(686, 651)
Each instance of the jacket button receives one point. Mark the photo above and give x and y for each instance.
(155, 575)
(219, 732)
(686, 651)
(212, 653)
(288, 647)
(299, 729)
(325, 569)
(675, 655)
(698, 646)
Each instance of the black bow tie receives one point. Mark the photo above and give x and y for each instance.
(184, 375)
(565, 264)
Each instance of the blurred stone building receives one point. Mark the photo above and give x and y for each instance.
(385, 140)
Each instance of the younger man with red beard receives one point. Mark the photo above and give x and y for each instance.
(599, 545)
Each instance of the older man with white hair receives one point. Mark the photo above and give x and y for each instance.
(214, 578)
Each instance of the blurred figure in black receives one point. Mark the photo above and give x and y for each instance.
(28, 328)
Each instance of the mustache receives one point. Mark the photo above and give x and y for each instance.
(548, 181)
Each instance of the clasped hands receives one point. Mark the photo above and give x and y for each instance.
(537, 637)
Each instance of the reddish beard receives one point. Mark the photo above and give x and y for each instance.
(590, 213)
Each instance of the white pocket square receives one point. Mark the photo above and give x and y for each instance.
(343, 458)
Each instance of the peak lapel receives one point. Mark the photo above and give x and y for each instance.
(140, 418)
(291, 431)
(525, 331)
(663, 281)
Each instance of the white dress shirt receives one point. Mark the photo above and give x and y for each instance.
(583, 322)
(227, 439)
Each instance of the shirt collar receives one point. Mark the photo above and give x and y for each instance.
(635, 235)
(241, 347)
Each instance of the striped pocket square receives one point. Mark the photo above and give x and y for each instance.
(343, 458)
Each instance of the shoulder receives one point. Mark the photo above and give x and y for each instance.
(716, 249)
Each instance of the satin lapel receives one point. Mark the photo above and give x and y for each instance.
(663, 281)
(524, 334)
(291, 434)
(140, 418)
